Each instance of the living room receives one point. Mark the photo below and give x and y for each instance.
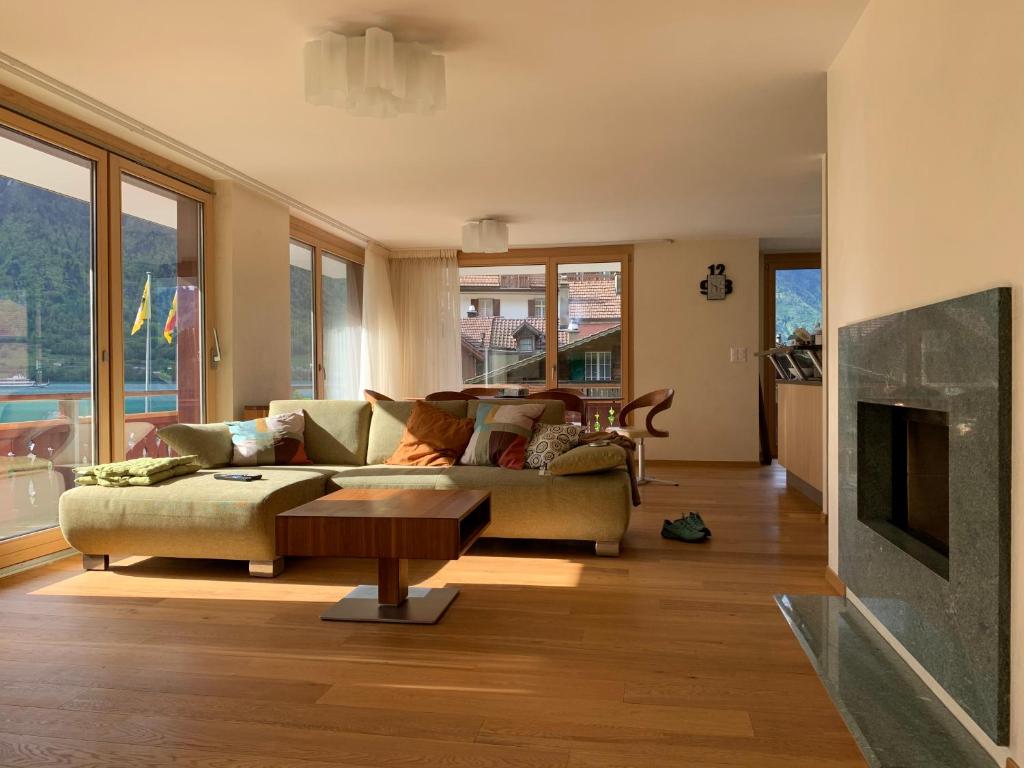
(510, 384)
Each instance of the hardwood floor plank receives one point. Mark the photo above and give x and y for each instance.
(670, 655)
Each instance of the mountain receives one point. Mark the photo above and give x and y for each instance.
(45, 265)
(797, 300)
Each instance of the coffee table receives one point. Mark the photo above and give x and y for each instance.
(394, 526)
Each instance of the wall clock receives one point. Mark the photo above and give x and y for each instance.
(716, 286)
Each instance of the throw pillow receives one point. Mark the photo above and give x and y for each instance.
(586, 459)
(550, 441)
(501, 433)
(271, 440)
(211, 443)
(432, 438)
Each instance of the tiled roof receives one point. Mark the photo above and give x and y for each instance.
(498, 331)
(494, 281)
(594, 299)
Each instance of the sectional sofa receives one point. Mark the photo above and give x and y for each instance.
(196, 516)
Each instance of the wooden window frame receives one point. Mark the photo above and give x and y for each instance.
(322, 243)
(551, 259)
(108, 153)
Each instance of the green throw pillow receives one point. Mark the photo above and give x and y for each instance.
(586, 459)
(210, 442)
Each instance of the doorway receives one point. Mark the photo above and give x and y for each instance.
(792, 299)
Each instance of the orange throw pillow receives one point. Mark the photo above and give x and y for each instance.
(432, 438)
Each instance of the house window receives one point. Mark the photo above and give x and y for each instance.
(598, 366)
(486, 307)
(526, 344)
(536, 307)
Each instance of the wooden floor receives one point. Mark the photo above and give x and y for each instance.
(672, 655)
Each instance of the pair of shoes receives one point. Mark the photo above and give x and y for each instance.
(690, 529)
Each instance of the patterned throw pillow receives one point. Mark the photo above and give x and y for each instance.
(501, 434)
(271, 440)
(550, 441)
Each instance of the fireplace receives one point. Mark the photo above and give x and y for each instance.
(924, 490)
(903, 488)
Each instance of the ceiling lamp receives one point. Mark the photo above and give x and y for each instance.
(373, 76)
(485, 236)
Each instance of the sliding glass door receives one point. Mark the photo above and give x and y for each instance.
(160, 263)
(49, 383)
(341, 292)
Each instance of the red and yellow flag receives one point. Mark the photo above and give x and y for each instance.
(172, 319)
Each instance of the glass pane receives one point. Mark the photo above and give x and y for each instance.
(797, 302)
(301, 258)
(161, 253)
(503, 332)
(590, 337)
(341, 290)
(47, 381)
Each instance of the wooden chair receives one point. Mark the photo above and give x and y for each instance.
(449, 395)
(573, 402)
(659, 400)
(376, 397)
(483, 391)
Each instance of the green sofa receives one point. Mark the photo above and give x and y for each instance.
(348, 442)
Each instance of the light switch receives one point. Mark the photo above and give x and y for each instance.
(737, 354)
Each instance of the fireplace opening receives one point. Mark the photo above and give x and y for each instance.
(903, 479)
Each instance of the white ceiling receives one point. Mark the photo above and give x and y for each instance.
(577, 120)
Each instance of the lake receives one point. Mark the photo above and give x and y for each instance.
(36, 410)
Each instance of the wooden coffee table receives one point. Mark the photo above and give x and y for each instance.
(394, 526)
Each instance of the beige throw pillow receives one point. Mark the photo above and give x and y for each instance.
(211, 443)
(586, 459)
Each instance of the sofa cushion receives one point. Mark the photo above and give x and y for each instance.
(211, 443)
(337, 431)
(587, 459)
(387, 476)
(501, 434)
(388, 423)
(550, 441)
(272, 440)
(191, 516)
(554, 410)
(432, 438)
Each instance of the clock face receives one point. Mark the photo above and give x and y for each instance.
(716, 287)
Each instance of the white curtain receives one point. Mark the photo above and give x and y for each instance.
(425, 287)
(380, 358)
(341, 300)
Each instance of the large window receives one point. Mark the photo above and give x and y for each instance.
(303, 333)
(510, 338)
(101, 317)
(326, 314)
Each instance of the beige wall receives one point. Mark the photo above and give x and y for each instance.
(926, 192)
(682, 340)
(252, 298)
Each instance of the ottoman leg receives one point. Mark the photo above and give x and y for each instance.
(96, 562)
(267, 569)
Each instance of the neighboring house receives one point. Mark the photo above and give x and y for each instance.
(504, 329)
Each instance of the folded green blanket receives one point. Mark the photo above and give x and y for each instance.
(146, 471)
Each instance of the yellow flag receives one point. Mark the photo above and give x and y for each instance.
(143, 314)
(172, 319)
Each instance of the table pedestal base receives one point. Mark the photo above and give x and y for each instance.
(422, 606)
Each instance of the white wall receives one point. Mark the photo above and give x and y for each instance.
(515, 305)
(252, 299)
(926, 193)
(682, 340)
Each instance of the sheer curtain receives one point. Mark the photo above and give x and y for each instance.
(425, 287)
(380, 354)
(341, 299)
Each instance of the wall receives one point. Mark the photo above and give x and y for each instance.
(682, 340)
(252, 298)
(926, 193)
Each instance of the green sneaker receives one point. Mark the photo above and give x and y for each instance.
(683, 529)
(695, 516)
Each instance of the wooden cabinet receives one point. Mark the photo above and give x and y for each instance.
(801, 432)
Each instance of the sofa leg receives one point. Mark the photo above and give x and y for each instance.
(607, 548)
(267, 569)
(96, 562)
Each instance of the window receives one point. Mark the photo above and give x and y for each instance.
(486, 307)
(598, 366)
(537, 307)
(300, 257)
(326, 314)
(97, 253)
(526, 344)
